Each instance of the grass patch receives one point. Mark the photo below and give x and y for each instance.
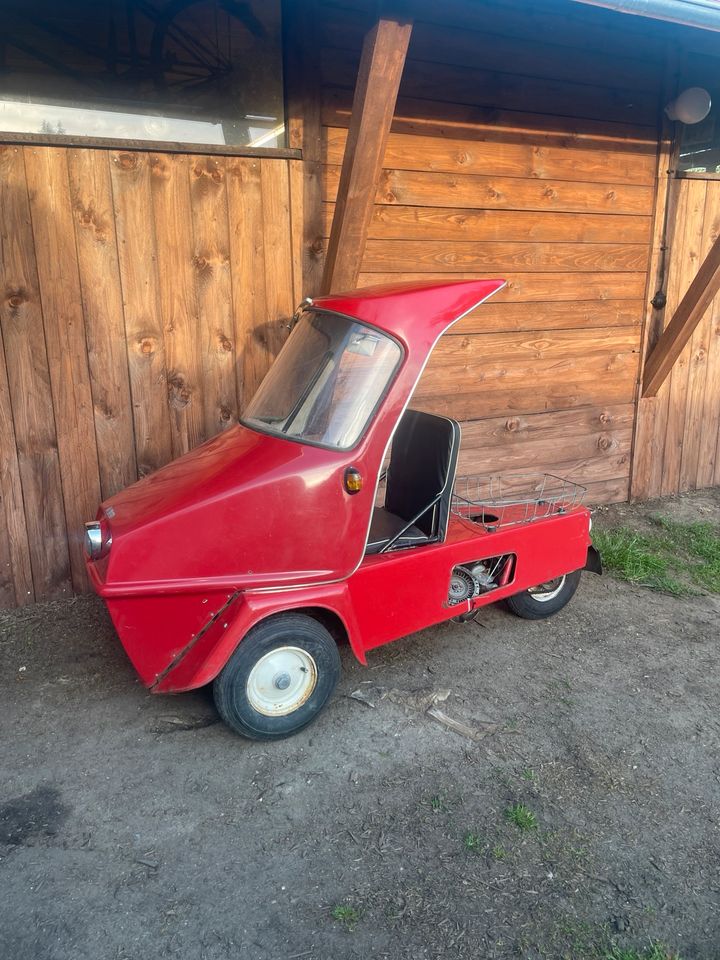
(656, 951)
(473, 841)
(679, 558)
(499, 853)
(521, 816)
(349, 917)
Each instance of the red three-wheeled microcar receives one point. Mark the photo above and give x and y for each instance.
(244, 562)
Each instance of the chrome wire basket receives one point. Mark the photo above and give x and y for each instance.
(509, 499)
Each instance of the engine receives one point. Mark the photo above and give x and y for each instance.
(471, 579)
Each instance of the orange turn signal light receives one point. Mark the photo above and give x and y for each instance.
(353, 480)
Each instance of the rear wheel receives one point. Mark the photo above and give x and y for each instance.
(279, 678)
(547, 598)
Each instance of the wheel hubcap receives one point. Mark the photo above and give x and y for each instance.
(547, 591)
(281, 681)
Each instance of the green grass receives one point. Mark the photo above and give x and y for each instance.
(656, 951)
(677, 558)
(349, 917)
(521, 816)
(473, 841)
(499, 853)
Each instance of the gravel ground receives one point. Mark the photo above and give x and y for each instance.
(136, 826)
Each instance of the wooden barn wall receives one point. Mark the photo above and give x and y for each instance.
(524, 145)
(678, 437)
(143, 298)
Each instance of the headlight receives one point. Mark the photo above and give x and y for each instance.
(96, 543)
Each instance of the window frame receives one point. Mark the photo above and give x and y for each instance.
(171, 146)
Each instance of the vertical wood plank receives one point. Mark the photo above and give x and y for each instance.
(698, 349)
(247, 252)
(94, 221)
(708, 416)
(132, 198)
(690, 252)
(29, 385)
(278, 252)
(16, 586)
(213, 292)
(59, 280)
(170, 188)
(295, 174)
(644, 451)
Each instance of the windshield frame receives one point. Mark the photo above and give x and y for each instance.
(278, 434)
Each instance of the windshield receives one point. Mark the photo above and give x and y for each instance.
(326, 381)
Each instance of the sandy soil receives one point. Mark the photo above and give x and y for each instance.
(135, 826)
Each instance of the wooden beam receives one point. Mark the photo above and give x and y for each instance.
(689, 313)
(376, 90)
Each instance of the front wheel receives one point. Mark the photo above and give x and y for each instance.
(543, 601)
(279, 678)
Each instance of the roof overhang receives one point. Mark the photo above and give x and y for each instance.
(702, 14)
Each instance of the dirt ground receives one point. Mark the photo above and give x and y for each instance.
(135, 826)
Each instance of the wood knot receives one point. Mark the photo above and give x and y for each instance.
(512, 424)
(550, 193)
(179, 391)
(225, 343)
(201, 264)
(225, 414)
(127, 161)
(146, 346)
(605, 417)
(604, 442)
(159, 167)
(17, 297)
(611, 195)
(462, 158)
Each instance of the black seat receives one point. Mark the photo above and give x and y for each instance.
(419, 483)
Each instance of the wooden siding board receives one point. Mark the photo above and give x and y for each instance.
(213, 293)
(679, 378)
(99, 271)
(476, 192)
(560, 315)
(59, 283)
(497, 155)
(452, 224)
(279, 300)
(16, 585)
(170, 191)
(247, 252)
(539, 287)
(29, 384)
(475, 122)
(401, 256)
(132, 197)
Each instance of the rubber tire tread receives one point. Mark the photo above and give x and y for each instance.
(526, 606)
(284, 629)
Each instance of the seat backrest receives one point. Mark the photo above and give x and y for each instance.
(422, 467)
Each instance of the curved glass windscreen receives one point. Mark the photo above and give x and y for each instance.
(326, 382)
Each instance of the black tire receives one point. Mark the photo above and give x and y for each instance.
(531, 608)
(296, 637)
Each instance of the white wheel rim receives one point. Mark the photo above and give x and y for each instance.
(543, 594)
(281, 681)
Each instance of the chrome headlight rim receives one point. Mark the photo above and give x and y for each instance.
(93, 539)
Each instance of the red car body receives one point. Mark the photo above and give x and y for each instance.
(251, 524)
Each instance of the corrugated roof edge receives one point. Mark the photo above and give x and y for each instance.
(702, 14)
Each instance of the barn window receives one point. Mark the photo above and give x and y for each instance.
(184, 71)
(700, 142)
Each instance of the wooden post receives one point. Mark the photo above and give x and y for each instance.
(689, 313)
(376, 90)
